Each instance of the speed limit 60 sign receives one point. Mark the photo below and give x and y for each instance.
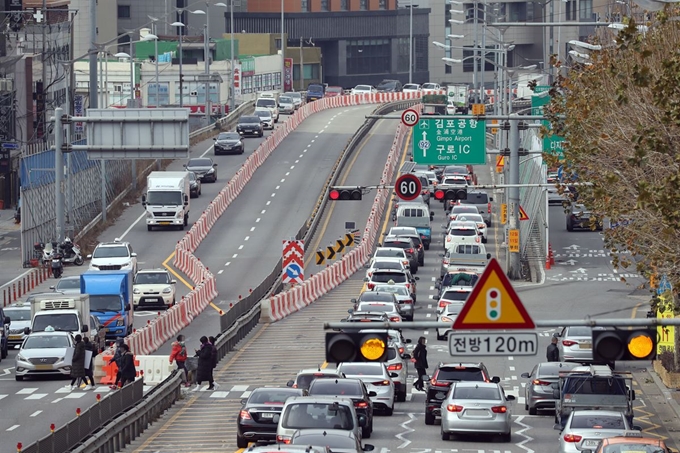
(410, 117)
(408, 187)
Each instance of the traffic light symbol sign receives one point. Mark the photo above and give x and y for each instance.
(493, 304)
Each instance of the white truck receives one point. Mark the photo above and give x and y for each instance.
(60, 312)
(167, 199)
(458, 96)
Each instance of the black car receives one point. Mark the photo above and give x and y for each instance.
(389, 86)
(250, 125)
(259, 416)
(228, 142)
(409, 248)
(203, 167)
(417, 241)
(581, 218)
(354, 389)
(442, 378)
(194, 185)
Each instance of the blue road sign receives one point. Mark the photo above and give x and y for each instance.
(664, 285)
(294, 273)
(10, 145)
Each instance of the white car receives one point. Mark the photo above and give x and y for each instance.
(363, 89)
(266, 119)
(153, 287)
(43, 353)
(286, 105)
(449, 313)
(431, 88)
(67, 285)
(392, 252)
(479, 220)
(585, 429)
(456, 295)
(113, 256)
(411, 88)
(389, 308)
(377, 379)
(450, 108)
(270, 104)
(296, 97)
(461, 233)
(460, 209)
(385, 263)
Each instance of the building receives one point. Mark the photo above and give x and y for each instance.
(361, 41)
(107, 25)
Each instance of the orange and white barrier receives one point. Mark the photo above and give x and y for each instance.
(22, 285)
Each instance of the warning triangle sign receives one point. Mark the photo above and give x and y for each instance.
(493, 304)
(522, 214)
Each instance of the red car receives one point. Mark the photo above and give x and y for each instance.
(333, 91)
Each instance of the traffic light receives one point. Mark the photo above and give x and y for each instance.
(338, 193)
(451, 194)
(356, 347)
(612, 345)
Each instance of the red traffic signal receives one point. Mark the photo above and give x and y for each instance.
(339, 193)
(450, 194)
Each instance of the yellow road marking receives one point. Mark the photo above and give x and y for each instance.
(633, 313)
(652, 425)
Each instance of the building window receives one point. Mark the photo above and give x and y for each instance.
(518, 12)
(123, 11)
(343, 5)
(324, 5)
(369, 56)
(158, 95)
(571, 10)
(447, 69)
(382, 4)
(402, 54)
(586, 9)
(311, 72)
(277, 43)
(363, 5)
(304, 6)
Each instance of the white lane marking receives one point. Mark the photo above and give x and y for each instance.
(207, 150)
(297, 161)
(3, 396)
(36, 396)
(277, 188)
(220, 271)
(235, 255)
(313, 140)
(274, 194)
(257, 220)
(287, 173)
(36, 413)
(511, 358)
(228, 263)
(239, 388)
(252, 229)
(301, 155)
(429, 305)
(247, 237)
(527, 438)
(263, 211)
(426, 332)
(12, 428)
(27, 391)
(304, 151)
(57, 400)
(240, 247)
(292, 166)
(511, 368)
(269, 202)
(411, 417)
(132, 226)
(246, 394)
(428, 315)
(283, 180)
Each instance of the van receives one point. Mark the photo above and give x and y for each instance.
(482, 201)
(416, 215)
(269, 103)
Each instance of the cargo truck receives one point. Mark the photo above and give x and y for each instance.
(110, 300)
(458, 95)
(60, 312)
(167, 199)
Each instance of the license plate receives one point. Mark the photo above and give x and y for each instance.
(15, 337)
(43, 367)
(585, 345)
(266, 415)
(164, 223)
(591, 443)
(476, 412)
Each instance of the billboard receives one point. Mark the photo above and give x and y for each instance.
(288, 74)
(237, 81)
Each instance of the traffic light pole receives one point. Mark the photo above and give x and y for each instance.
(513, 196)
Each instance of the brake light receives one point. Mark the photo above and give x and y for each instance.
(370, 274)
(572, 438)
(481, 225)
(454, 408)
(488, 208)
(453, 216)
(401, 350)
(370, 286)
(395, 319)
(443, 303)
(395, 367)
(361, 405)
(408, 301)
(448, 238)
(434, 382)
(408, 286)
(539, 382)
(477, 239)
(245, 415)
(569, 342)
(295, 386)
(381, 383)
(409, 250)
(284, 439)
(445, 261)
(499, 409)
(467, 177)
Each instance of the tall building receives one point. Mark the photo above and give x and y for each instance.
(361, 41)
(107, 25)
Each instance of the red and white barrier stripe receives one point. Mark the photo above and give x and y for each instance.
(22, 285)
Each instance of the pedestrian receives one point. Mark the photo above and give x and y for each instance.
(553, 353)
(89, 370)
(117, 356)
(420, 359)
(128, 372)
(179, 355)
(214, 351)
(78, 362)
(205, 365)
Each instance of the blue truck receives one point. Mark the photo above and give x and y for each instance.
(315, 92)
(417, 215)
(110, 299)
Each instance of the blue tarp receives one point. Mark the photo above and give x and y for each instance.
(38, 169)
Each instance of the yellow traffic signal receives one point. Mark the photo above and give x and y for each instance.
(641, 345)
(356, 347)
(612, 345)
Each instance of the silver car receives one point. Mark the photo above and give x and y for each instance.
(266, 119)
(19, 314)
(43, 353)
(404, 300)
(482, 201)
(337, 440)
(286, 105)
(585, 429)
(68, 285)
(318, 412)
(389, 308)
(449, 314)
(296, 97)
(453, 295)
(398, 363)
(476, 408)
(377, 379)
(575, 344)
(538, 392)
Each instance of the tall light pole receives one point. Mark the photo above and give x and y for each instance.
(283, 53)
(180, 25)
(153, 28)
(232, 87)
(410, 43)
(149, 37)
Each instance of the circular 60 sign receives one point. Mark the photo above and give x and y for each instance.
(410, 117)
(408, 187)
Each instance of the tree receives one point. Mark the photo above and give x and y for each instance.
(620, 116)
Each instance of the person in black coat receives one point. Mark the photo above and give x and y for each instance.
(128, 372)
(205, 365)
(553, 352)
(420, 359)
(78, 362)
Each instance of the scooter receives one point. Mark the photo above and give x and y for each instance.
(48, 248)
(57, 265)
(71, 253)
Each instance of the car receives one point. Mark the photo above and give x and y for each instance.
(554, 195)
(19, 314)
(579, 217)
(296, 97)
(397, 362)
(315, 92)
(461, 233)
(97, 333)
(479, 220)
(632, 442)
(538, 392)
(266, 119)
(458, 210)
(363, 89)
(482, 201)
(393, 277)
(366, 316)
(336, 440)
(334, 91)
(389, 86)
(268, 102)
(586, 428)
(286, 105)
(250, 125)
(428, 181)
(475, 264)
(354, 389)
(407, 245)
(377, 379)
(153, 287)
(258, 418)
(457, 170)
(43, 353)
(431, 88)
(477, 408)
(411, 233)
(411, 88)
(448, 314)
(204, 167)
(67, 285)
(374, 296)
(391, 309)
(113, 256)
(287, 448)
(458, 277)
(385, 263)
(228, 143)
(195, 189)
(392, 253)
(305, 377)
(443, 376)
(403, 296)
(318, 412)
(456, 295)
(575, 344)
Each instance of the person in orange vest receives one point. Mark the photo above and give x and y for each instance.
(179, 355)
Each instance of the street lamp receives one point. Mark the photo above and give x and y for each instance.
(232, 88)
(455, 36)
(181, 76)
(153, 30)
(283, 52)
(149, 37)
(206, 57)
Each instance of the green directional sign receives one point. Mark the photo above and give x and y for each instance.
(554, 143)
(449, 142)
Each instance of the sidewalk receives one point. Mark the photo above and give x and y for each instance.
(11, 263)
(658, 400)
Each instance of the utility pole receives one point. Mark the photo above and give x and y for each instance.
(283, 52)
(42, 115)
(93, 55)
(410, 43)
(482, 83)
(474, 55)
(513, 194)
(59, 171)
(302, 67)
(206, 55)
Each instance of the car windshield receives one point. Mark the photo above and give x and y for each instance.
(476, 198)
(376, 307)
(68, 283)
(476, 393)
(294, 95)
(468, 249)
(400, 290)
(360, 369)
(363, 88)
(470, 218)
(46, 342)
(578, 332)
(285, 100)
(249, 120)
(398, 244)
(154, 197)
(462, 232)
(269, 103)
(200, 163)
(385, 253)
(410, 86)
(151, 278)
(587, 421)
(465, 209)
(429, 86)
(67, 322)
(228, 136)
(318, 415)
(387, 265)
(111, 252)
(632, 448)
(370, 296)
(460, 374)
(269, 396)
(315, 88)
(455, 295)
(554, 369)
(387, 84)
(384, 277)
(304, 380)
(334, 90)
(336, 387)
(18, 314)
(263, 113)
(334, 443)
(105, 303)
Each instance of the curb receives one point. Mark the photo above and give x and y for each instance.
(665, 391)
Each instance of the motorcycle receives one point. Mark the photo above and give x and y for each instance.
(17, 215)
(47, 249)
(57, 265)
(71, 253)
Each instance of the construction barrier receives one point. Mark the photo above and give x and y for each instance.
(23, 284)
(106, 373)
(155, 367)
(285, 303)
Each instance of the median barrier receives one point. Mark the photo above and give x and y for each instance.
(156, 368)
(23, 284)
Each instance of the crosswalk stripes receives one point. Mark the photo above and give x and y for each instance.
(29, 393)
